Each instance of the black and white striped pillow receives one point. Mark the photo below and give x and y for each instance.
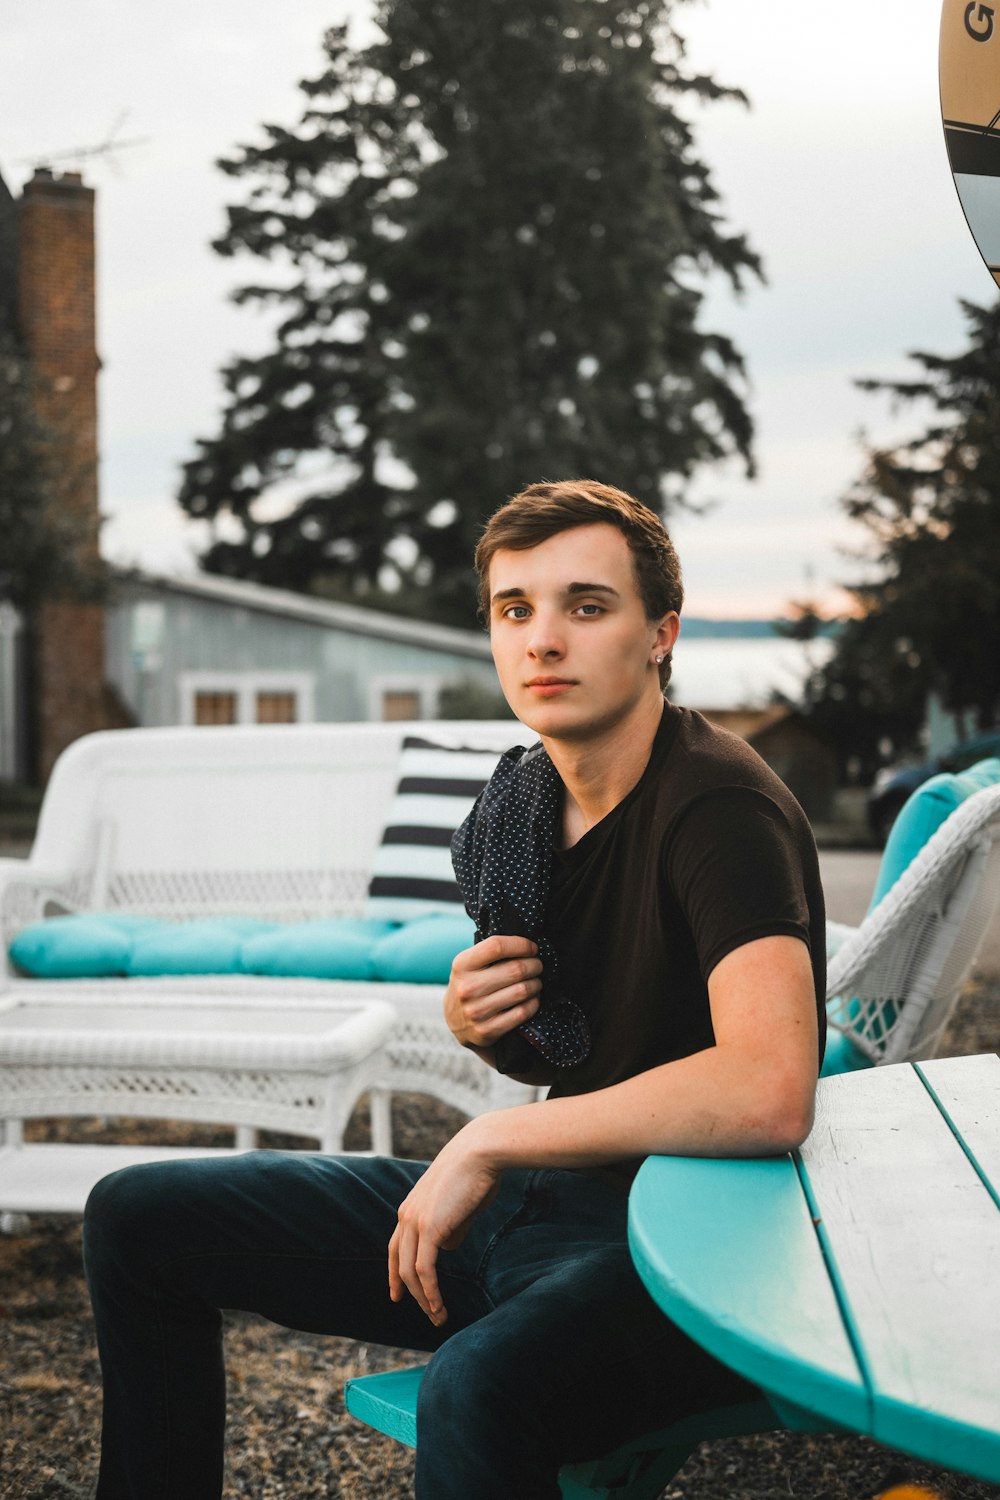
(412, 875)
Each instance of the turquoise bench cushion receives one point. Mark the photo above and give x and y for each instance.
(421, 952)
(923, 814)
(103, 945)
(212, 946)
(338, 948)
(86, 945)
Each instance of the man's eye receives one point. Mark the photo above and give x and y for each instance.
(590, 609)
(517, 612)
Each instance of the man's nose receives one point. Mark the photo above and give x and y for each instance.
(546, 638)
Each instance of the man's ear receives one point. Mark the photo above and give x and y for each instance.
(667, 631)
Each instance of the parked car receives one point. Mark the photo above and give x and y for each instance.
(893, 784)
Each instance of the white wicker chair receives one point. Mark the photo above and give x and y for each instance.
(893, 981)
(281, 822)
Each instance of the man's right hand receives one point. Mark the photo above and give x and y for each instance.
(494, 986)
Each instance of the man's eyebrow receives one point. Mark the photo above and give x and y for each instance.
(592, 588)
(570, 590)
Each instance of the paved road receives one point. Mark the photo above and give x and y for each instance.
(848, 881)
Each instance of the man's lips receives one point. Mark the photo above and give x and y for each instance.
(547, 687)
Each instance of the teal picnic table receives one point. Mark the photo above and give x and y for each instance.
(856, 1281)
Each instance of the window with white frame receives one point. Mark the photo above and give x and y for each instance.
(247, 697)
(403, 697)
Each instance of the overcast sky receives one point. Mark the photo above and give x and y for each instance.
(838, 173)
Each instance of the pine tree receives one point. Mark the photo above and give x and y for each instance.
(497, 231)
(930, 611)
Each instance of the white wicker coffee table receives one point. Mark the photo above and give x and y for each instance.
(298, 1067)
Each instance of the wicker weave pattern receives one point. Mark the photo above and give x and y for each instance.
(894, 980)
(421, 1054)
(211, 1058)
(287, 1101)
(287, 895)
(282, 895)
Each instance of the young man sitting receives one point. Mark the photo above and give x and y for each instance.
(651, 945)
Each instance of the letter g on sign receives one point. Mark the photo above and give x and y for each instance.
(979, 21)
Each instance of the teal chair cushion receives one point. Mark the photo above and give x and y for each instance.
(841, 1055)
(922, 815)
(212, 946)
(86, 945)
(421, 952)
(337, 948)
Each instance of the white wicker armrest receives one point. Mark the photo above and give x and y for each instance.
(892, 984)
(27, 894)
(837, 934)
(921, 892)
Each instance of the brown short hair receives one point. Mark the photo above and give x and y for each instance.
(543, 510)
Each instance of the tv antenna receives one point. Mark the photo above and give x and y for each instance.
(107, 148)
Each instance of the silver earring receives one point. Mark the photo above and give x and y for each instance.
(659, 659)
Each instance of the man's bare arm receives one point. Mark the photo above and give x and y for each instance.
(751, 1094)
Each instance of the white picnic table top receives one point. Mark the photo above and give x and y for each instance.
(857, 1281)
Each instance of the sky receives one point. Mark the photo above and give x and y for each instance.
(837, 172)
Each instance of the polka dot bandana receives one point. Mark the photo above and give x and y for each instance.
(502, 856)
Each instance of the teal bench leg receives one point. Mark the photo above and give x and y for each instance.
(638, 1470)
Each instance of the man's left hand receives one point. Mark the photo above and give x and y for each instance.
(436, 1216)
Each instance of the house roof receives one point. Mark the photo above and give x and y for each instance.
(351, 618)
(748, 722)
(754, 725)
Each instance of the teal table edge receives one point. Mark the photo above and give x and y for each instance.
(798, 1352)
(734, 1299)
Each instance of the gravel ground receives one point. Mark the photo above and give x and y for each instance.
(289, 1435)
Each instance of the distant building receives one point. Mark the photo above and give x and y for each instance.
(209, 650)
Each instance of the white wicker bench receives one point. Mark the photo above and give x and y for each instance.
(280, 822)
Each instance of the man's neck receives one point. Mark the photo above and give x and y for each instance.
(600, 771)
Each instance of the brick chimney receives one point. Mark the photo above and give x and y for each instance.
(57, 322)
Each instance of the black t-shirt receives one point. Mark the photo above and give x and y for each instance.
(709, 850)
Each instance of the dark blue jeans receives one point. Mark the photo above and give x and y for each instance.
(552, 1350)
